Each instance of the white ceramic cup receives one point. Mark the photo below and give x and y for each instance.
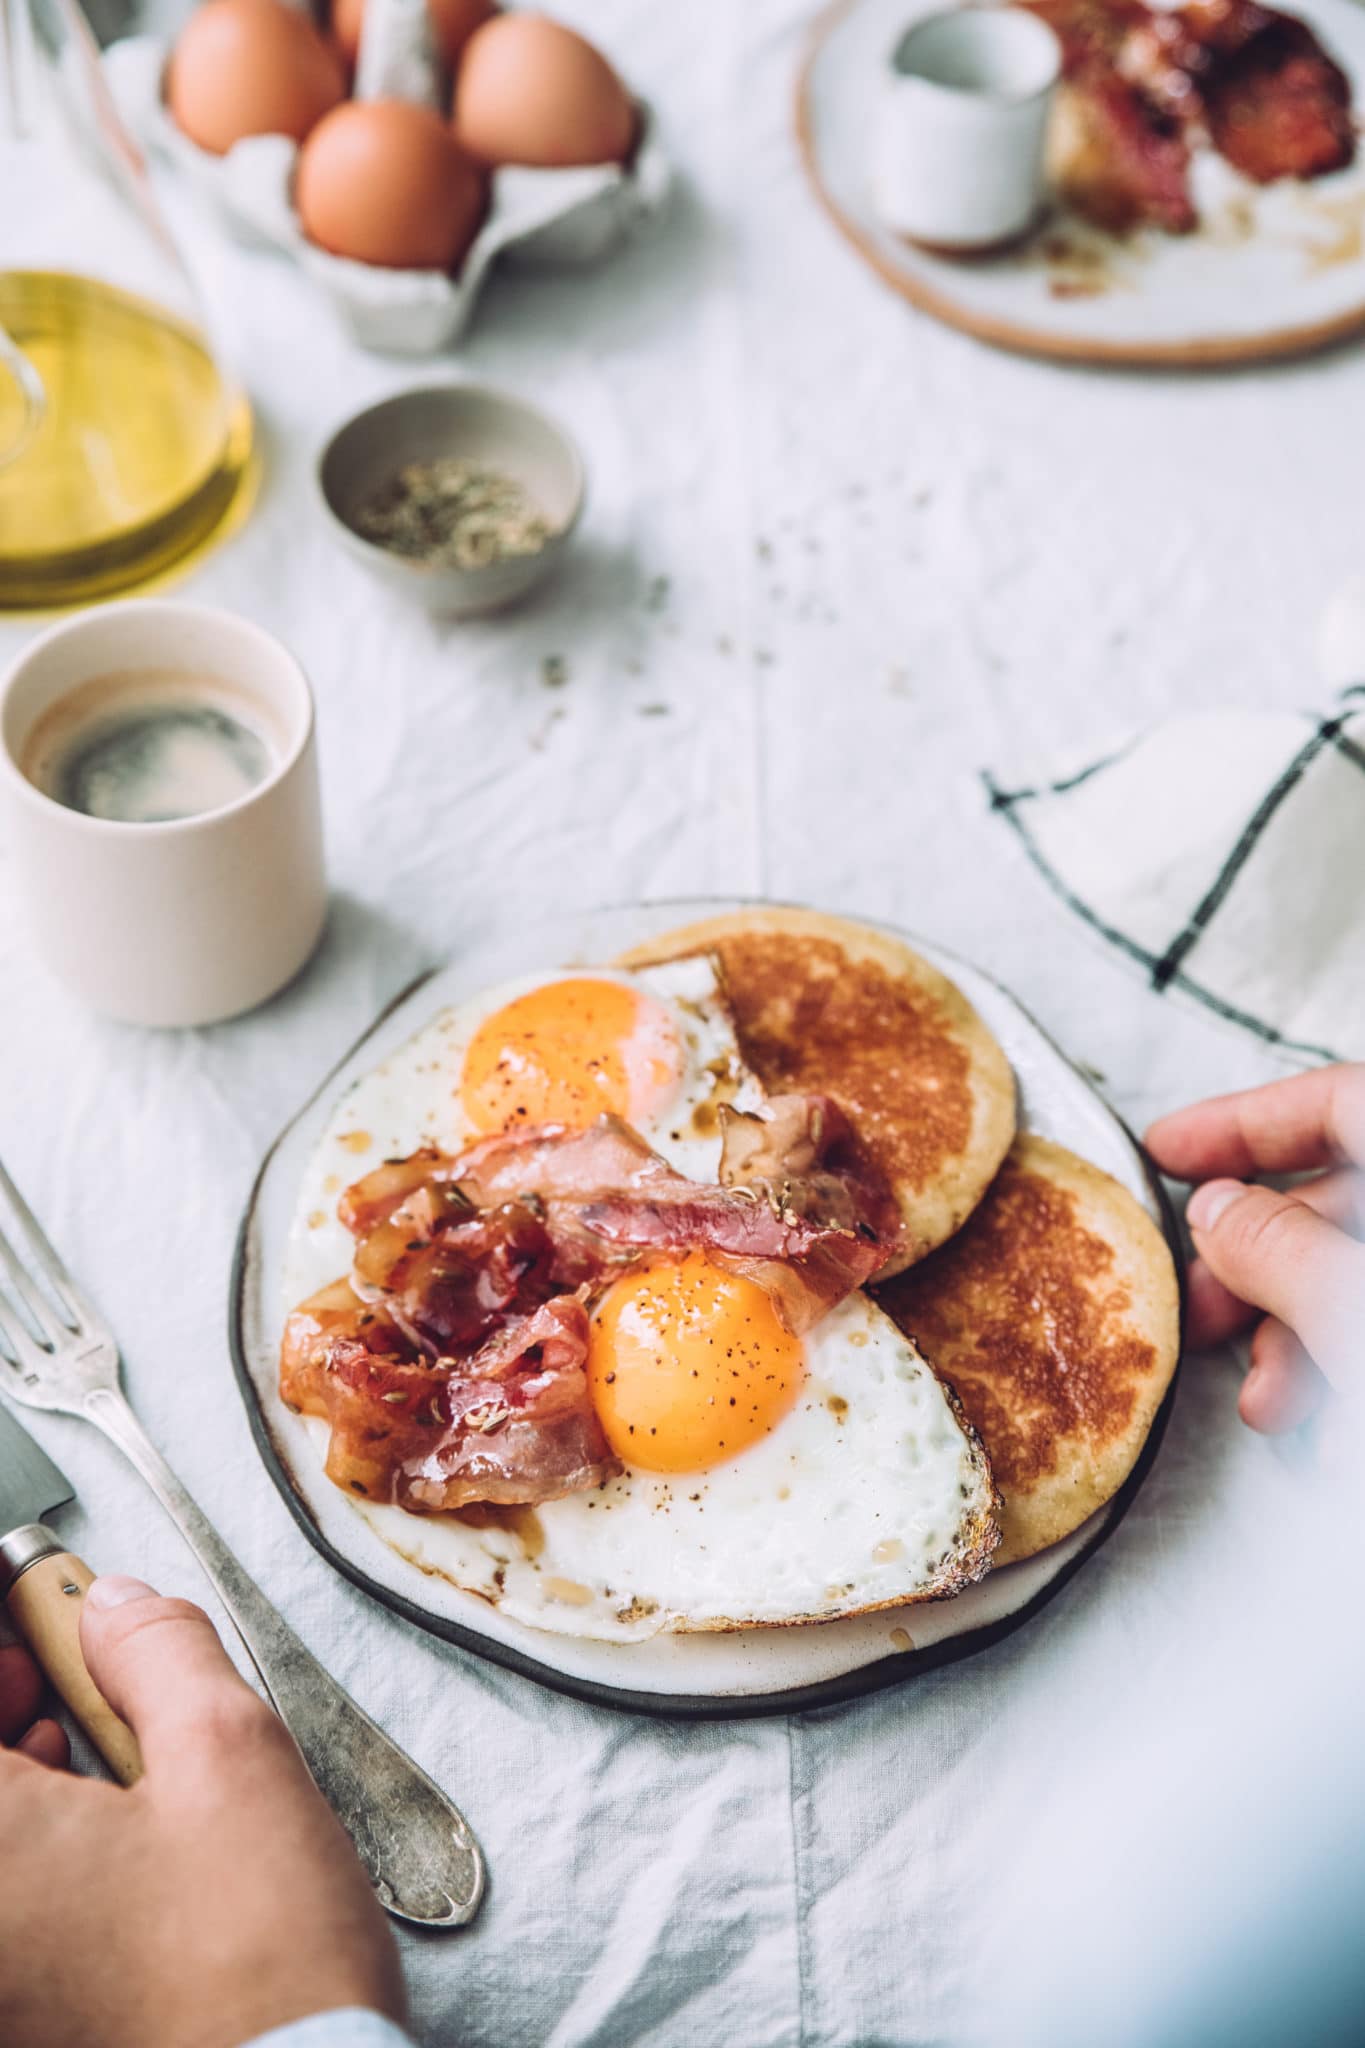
(961, 127)
(195, 919)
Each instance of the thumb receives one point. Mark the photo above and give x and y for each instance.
(1275, 1252)
(160, 1665)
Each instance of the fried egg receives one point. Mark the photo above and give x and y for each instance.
(653, 1045)
(768, 1480)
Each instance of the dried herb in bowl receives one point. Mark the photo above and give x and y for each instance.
(453, 513)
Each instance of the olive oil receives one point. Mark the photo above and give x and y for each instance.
(139, 450)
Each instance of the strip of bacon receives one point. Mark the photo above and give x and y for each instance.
(452, 1287)
(372, 1200)
(455, 1245)
(802, 1213)
(1128, 162)
(1121, 156)
(1276, 104)
(451, 1367)
(805, 1148)
(325, 1319)
(513, 1424)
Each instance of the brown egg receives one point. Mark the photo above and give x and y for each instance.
(529, 91)
(385, 182)
(453, 20)
(251, 67)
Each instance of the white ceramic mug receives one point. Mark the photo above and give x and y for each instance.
(190, 920)
(961, 127)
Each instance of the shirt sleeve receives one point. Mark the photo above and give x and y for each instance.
(350, 2028)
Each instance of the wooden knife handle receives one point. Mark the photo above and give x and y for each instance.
(45, 1605)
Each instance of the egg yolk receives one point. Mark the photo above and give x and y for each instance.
(688, 1365)
(567, 1052)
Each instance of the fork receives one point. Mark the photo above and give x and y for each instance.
(57, 1354)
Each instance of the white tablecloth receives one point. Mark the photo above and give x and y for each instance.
(835, 559)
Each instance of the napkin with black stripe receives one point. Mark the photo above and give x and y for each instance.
(1222, 853)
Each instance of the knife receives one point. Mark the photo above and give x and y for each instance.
(42, 1588)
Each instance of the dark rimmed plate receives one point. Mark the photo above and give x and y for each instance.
(750, 1672)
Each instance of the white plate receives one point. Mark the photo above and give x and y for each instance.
(1272, 271)
(751, 1671)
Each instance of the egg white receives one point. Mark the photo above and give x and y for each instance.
(413, 1099)
(856, 1498)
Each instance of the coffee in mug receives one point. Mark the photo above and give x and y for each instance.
(159, 798)
(149, 747)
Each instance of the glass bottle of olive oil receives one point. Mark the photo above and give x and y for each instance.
(133, 447)
(123, 443)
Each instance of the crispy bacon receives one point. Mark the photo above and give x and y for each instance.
(805, 1147)
(559, 1167)
(1143, 83)
(814, 1219)
(1129, 161)
(1275, 104)
(451, 1366)
(801, 1145)
(326, 1318)
(526, 1458)
(513, 1424)
(372, 1200)
(451, 1290)
(1125, 160)
(803, 1215)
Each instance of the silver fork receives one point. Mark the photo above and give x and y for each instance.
(56, 1353)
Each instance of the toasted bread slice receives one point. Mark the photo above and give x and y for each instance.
(837, 1008)
(1055, 1314)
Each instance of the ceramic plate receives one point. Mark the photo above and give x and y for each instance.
(752, 1671)
(1272, 271)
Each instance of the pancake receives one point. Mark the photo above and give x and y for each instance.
(1055, 1315)
(830, 1007)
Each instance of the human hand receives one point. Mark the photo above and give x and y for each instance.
(21, 1697)
(216, 1899)
(1297, 1256)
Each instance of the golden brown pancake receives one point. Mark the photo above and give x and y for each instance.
(834, 1008)
(1055, 1314)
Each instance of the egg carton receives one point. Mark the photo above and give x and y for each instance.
(543, 217)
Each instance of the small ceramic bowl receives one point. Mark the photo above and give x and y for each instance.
(485, 426)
